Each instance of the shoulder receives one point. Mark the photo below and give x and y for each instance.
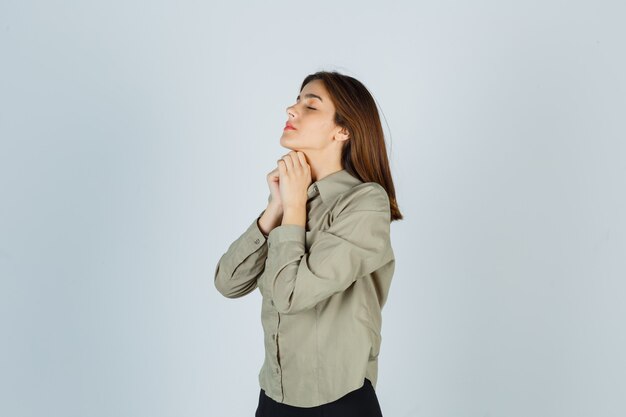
(370, 196)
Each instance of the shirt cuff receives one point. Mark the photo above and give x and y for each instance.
(255, 231)
(287, 233)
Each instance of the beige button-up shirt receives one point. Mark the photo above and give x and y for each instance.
(323, 287)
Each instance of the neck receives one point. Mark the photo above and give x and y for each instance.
(320, 170)
(323, 162)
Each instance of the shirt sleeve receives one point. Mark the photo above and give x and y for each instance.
(243, 263)
(356, 244)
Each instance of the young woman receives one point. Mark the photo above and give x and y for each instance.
(320, 254)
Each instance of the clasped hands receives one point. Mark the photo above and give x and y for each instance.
(294, 179)
(289, 184)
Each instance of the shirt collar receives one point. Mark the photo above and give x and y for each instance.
(332, 185)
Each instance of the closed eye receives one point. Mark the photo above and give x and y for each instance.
(308, 107)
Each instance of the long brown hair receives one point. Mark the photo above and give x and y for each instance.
(364, 155)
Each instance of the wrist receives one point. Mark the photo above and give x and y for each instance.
(295, 214)
(258, 223)
(274, 209)
(294, 207)
(270, 218)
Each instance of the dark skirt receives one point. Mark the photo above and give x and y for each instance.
(362, 402)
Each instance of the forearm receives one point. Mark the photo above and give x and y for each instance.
(295, 215)
(270, 218)
(243, 262)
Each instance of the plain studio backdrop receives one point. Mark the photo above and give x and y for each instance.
(135, 139)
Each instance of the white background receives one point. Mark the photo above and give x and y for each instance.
(134, 142)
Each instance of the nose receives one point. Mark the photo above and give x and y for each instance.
(289, 111)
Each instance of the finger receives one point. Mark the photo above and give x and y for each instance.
(288, 162)
(302, 159)
(281, 167)
(282, 162)
(295, 159)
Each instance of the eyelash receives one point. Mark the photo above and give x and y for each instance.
(309, 107)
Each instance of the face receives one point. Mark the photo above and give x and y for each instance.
(312, 116)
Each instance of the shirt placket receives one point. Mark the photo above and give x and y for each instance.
(276, 369)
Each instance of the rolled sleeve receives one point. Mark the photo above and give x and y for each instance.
(238, 269)
(356, 244)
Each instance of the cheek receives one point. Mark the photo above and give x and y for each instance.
(324, 128)
(326, 123)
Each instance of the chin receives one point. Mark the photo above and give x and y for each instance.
(284, 143)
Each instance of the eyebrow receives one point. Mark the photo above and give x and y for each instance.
(311, 96)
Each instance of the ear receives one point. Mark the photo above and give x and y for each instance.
(342, 134)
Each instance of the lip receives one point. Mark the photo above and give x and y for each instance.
(289, 127)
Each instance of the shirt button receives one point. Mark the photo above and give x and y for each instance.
(277, 371)
(273, 337)
(256, 241)
(315, 187)
(268, 244)
(272, 302)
